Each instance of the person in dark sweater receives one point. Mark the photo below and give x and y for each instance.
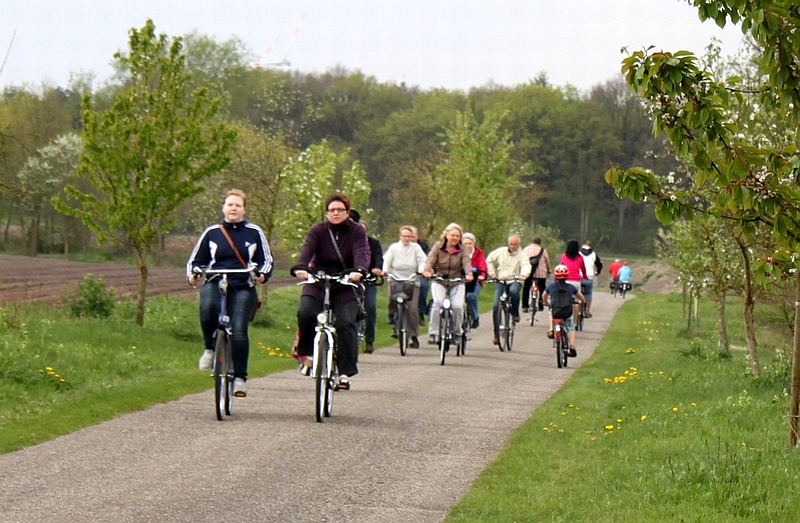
(319, 253)
(214, 251)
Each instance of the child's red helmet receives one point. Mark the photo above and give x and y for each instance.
(561, 272)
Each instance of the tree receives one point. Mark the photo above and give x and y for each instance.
(756, 179)
(311, 177)
(45, 174)
(148, 152)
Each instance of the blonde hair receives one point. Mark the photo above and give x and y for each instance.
(451, 227)
(236, 192)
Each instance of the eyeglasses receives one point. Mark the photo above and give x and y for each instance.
(338, 209)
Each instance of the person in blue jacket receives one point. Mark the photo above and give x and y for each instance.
(214, 251)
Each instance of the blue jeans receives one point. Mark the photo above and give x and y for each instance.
(513, 292)
(370, 304)
(472, 301)
(241, 303)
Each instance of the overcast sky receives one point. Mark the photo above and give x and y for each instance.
(455, 44)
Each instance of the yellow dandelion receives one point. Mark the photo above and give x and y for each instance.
(561, 430)
(41, 370)
(594, 439)
(619, 420)
(609, 427)
(578, 417)
(571, 406)
(674, 409)
(644, 417)
(629, 351)
(577, 408)
(49, 368)
(563, 413)
(545, 429)
(694, 404)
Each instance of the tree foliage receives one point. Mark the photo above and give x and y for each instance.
(148, 152)
(754, 179)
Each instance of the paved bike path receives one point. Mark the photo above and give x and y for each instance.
(403, 445)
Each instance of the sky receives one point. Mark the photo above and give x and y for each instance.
(451, 44)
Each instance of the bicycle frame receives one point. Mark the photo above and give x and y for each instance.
(560, 342)
(324, 366)
(400, 297)
(446, 315)
(223, 358)
(504, 321)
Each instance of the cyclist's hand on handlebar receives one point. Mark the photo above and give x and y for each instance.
(192, 280)
(354, 276)
(427, 274)
(469, 276)
(301, 275)
(261, 278)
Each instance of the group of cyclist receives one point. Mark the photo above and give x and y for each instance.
(455, 267)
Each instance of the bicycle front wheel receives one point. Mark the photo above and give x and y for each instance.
(402, 328)
(221, 388)
(510, 336)
(444, 328)
(533, 303)
(321, 376)
(505, 328)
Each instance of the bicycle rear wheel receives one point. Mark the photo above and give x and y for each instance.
(465, 328)
(581, 316)
(321, 376)
(510, 336)
(562, 346)
(402, 328)
(221, 386)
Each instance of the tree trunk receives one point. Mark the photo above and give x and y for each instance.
(141, 262)
(794, 406)
(33, 246)
(722, 325)
(749, 311)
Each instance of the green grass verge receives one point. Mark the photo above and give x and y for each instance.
(657, 426)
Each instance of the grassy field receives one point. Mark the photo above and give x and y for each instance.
(657, 426)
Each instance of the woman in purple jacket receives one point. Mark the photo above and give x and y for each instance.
(318, 253)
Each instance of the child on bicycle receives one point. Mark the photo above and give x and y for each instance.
(563, 296)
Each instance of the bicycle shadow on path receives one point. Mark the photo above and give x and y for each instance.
(403, 445)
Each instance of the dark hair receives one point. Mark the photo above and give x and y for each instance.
(537, 241)
(355, 215)
(573, 249)
(336, 197)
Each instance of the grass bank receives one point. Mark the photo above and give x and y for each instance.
(657, 426)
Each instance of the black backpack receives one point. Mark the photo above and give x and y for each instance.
(535, 260)
(562, 301)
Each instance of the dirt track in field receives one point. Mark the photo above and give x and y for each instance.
(23, 278)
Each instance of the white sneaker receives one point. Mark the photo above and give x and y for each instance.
(239, 388)
(206, 360)
(306, 364)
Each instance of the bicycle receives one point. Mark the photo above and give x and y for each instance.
(581, 311)
(533, 302)
(624, 286)
(504, 321)
(614, 285)
(400, 297)
(324, 369)
(223, 359)
(446, 318)
(560, 343)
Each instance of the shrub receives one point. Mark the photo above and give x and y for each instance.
(91, 299)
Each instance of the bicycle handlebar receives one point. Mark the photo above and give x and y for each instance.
(399, 279)
(322, 277)
(442, 279)
(202, 270)
(507, 281)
